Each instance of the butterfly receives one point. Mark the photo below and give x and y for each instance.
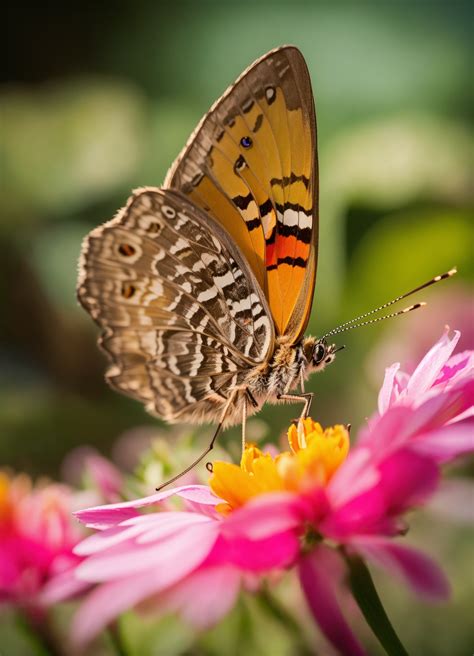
(203, 288)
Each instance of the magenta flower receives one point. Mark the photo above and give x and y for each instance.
(315, 507)
(37, 537)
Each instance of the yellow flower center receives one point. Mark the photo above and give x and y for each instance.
(315, 454)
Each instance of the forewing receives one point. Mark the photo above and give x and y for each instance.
(182, 316)
(252, 164)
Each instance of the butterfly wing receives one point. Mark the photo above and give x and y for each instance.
(252, 164)
(182, 316)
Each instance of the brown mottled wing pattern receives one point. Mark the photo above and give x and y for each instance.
(251, 164)
(182, 316)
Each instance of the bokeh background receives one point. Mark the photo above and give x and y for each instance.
(98, 98)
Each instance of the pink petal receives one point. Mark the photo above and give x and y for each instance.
(386, 433)
(356, 475)
(439, 410)
(266, 515)
(274, 552)
(174, 523)
(447, 443)
(401, 424)
(198, 494)
(188, 545)
(209, 510)
(401, 382)
(205, 597)
(144, 528)
(102, 517)
(105, 475)
(63, 586)
(386, 391)
(406, 480)
(318, 586)
(415, 568)
(106, 539)
(467, 414)
(110, 599)
(363, 514)
(458, 366)
(431, 365)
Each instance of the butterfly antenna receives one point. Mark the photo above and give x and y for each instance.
(349, 325)
(376, 320)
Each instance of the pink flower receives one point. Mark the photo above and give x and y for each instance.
(37, 537)
(427, 411)
(102, 479)
(437, 372)
(292, 509)
(175, 560)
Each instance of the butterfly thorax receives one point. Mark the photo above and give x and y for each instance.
(289, 366)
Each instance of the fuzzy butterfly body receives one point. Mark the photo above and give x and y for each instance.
(203, 288)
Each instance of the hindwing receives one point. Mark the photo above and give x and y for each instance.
(183, 319)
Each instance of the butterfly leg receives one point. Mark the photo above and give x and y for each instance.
(302, 381)
(244, 423)
(306, 398)
(209, 447)
(248, 398)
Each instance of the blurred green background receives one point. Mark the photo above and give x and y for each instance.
(98, 98)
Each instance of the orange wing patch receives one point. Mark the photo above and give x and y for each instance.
(235, 217)
(288, 249)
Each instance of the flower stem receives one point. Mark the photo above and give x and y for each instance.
(368, 600)
(274, 607)
(37, 628)
(116, 639)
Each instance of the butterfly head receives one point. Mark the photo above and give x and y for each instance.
(319, 353)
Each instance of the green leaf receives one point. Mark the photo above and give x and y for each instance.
(365, 594)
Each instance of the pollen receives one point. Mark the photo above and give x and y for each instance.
(314, 456)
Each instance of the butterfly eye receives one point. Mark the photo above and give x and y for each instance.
(246, 142)
(319, 353)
